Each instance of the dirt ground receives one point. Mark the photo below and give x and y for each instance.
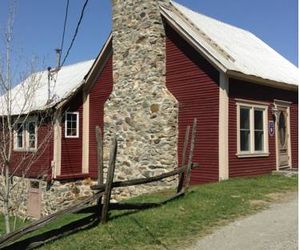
(274, 228)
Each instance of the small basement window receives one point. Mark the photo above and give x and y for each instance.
(252, 135)
(35, 184)
(71, 124)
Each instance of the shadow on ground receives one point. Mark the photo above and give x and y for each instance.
(65, 230)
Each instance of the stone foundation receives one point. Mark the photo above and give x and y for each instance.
(53, 197)
(57, 195)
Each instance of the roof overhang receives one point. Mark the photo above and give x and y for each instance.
(261, 81)
(221, 67)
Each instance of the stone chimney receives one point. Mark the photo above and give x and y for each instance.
(140, 110)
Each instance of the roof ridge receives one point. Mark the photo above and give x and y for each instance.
(63, 67)
(209, 40)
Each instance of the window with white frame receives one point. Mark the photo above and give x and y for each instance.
(25, 135)
(71, 124)
(252, 129)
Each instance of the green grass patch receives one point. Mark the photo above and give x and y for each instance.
(175, 223)
(18, 223)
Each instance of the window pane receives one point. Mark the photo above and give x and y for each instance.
(244, 118)
(259, 140)
(258, 130)
(244, 139)
(73, 132)
(282, 129)
(19, 135)
(258, 120)
(32, 136)
(69, 124)
(74, 124)
(31, 128)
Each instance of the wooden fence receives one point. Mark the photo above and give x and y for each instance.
(103, 191)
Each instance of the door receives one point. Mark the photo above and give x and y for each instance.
(283, 139)
(34, 200)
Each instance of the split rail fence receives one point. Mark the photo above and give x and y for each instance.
(103, 191)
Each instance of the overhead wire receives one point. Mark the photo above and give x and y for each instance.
(64, 30)
(75, 33)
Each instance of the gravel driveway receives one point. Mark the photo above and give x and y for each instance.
(274, 228)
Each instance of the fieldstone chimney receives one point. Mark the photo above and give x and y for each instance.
(140, 109)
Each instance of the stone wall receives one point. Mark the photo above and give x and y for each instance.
(18, 199)
(58, 195)
(53, 197)
(141, 110)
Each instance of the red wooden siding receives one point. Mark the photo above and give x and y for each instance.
(258, 165)
(98, 96)
(294, 134)
(36, 164)
(194, 83)
(71, 148)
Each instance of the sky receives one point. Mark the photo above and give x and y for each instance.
(38, 26)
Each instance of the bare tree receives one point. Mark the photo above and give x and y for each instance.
(18, 106)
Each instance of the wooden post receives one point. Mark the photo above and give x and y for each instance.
(181, 176)
(188, 170)
(109, 180)
(99, 141)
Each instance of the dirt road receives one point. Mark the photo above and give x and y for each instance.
(274, 228)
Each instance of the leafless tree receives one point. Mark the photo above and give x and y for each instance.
(17, 108)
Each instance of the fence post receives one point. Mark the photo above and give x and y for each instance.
(99, 141)
(189, 166)
(181, 176)
(109, 180)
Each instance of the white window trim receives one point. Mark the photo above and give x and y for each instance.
(77, 128)
(252, 153)
(25, 135)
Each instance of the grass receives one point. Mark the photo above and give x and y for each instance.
(19, 223)
(175, 224)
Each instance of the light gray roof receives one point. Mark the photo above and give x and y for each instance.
(233, 48)
(32, 93)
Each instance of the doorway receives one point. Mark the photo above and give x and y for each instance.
(34, 200)
(283, 145)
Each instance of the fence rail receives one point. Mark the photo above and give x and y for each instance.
(103, 191)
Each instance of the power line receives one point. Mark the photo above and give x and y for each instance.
(65, 24)
(76, 32)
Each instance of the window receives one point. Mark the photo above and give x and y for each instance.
(72, 124)
(25, 135)
(31, 135)
(252, 130)
(258, 130)
(245, 129)
(19, 136)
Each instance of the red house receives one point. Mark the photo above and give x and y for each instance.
(242, 92)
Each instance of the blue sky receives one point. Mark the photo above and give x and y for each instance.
(39, 24)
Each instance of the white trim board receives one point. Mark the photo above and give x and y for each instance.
(223, 126)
